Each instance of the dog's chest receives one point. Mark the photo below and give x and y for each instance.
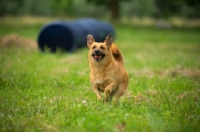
(101, 84)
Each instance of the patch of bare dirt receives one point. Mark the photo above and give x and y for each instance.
(181, 71)
(121, 127)
(15, 40)
(171, 72)
(186, 94)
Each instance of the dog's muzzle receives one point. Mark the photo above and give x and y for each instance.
(98, 55)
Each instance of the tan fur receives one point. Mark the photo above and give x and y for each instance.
(107, 75)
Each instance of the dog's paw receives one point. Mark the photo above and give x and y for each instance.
(107, 95)
(106, 99)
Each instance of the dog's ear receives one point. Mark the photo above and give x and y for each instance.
(90, 40)
(109, 40)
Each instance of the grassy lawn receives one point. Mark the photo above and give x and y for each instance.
(51, 92)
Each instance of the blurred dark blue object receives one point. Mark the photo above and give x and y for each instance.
(70, 35)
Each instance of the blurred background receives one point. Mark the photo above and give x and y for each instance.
(114, 10)
(25, 18)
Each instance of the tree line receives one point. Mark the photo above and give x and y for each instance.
(102, 8)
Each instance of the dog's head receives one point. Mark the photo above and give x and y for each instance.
(98, 50)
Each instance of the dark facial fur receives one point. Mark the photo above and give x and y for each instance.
(98, 52)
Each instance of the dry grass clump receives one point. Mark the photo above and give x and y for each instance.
(17, 41)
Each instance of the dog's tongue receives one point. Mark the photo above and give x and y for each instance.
(96, 57)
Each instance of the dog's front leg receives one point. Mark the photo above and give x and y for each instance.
(97, 92)
(108, 90)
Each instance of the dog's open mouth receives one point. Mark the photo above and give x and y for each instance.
(98, 57)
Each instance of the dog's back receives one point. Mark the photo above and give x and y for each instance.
(117, 54)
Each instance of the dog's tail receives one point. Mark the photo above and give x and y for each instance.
(117, 54)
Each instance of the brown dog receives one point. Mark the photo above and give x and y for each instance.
(107, 73)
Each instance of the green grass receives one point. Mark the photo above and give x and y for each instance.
(51, 92)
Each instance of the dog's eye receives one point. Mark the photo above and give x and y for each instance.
(102, 47)
(94, 47)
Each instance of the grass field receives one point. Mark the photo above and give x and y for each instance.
(51, 92)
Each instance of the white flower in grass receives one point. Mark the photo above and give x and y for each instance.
(84, 102)
(126, 115)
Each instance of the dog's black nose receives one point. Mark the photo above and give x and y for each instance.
(96, 51)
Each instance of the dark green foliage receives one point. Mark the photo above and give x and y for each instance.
(114, 9)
